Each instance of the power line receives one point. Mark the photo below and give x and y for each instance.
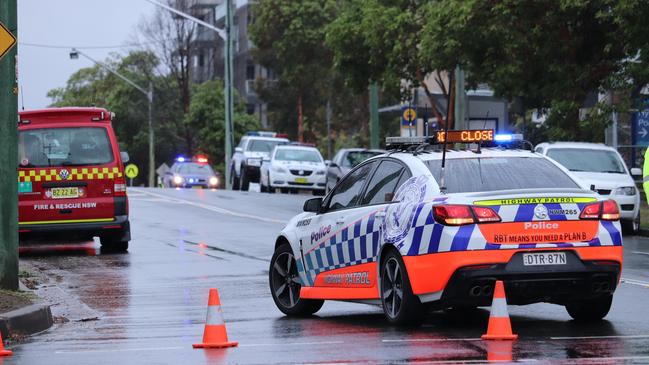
(52, 46)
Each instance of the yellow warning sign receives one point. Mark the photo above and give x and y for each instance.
(409, 115)
(131, 171)
(7, 40)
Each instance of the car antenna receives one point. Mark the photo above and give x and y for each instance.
(442, 177)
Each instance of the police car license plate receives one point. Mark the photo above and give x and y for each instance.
(65, 193)
(544, 258)
(301, 180)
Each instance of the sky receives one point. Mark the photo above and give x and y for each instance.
(78, 23)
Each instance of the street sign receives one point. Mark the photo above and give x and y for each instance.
(7, 40)
(408, 115)
(641, 120)
(131, 171)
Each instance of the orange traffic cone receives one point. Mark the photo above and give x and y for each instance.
(215, 334)
(500, 351)
(4, 352)
(500, 328)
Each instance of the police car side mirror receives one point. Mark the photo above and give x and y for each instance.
(124, 156)
(327, 162)
(238, 149)
(636, 172)
(332, 164)
(313, 205)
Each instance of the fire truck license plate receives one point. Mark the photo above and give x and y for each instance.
(65, 193)
(544, 258)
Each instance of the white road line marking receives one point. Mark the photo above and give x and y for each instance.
(641, 283)
(641, 253)
(119, 350)
(433, 340)
(598, 337)
(292, 344)
(213, 208)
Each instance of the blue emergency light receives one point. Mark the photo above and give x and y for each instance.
(180, 159)
(507, 137)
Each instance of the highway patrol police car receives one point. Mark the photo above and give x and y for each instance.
(416, 229)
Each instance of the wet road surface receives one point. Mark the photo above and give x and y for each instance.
(148, 306)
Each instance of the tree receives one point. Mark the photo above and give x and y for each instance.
(381, 41)
(206, 117)
(548, 53)
(289, 37)
(171, 38)
(95, 86)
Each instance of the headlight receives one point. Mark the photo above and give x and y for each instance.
(254, 162)
(279, 169)
(178, 180)
(320, 172)
(626, 190)
(214, 181)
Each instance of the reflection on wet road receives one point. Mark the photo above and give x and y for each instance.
(148, 306)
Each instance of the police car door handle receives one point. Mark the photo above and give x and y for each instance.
(380, 214)
(340, 221)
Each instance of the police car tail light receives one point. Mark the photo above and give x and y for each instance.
(459, 215)
(606, 210)
(485, 215)
(610, 211)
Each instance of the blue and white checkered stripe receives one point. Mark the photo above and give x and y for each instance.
(352, 245)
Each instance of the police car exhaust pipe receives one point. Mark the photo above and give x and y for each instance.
(475, 291)
(486, 291)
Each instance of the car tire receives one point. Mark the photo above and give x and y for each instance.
(270, 190)
(407, 310)
(262, 187)
(245, 182)
(591, 310)
(112, 243)
(234, 180)
(285, 285)
(630, 226)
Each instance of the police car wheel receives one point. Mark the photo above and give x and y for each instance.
(285, 285)
(245, 182)
(234, 180)
(590, 310)
(262, 188)
(400, 305)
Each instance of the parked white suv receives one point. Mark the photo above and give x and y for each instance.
(600, 167)
(248, 155)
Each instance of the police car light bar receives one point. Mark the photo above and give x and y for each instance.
(261, 134)
(508, 137)
(180, 159)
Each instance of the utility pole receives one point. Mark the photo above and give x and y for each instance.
(229, 104)
(74, 54)
(8, 155)
(460, 99)
(328, 117)
(374, 115)
(225, 35)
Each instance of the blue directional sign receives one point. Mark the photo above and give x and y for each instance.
(641, 120)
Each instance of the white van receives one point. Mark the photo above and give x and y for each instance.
(601, 168)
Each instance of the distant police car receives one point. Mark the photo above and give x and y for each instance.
(404, 231)
(248, 155)
(191, 173)
(293, 167)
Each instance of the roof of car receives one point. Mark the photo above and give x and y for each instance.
(362, 150)
(295, 147)
(589, 145)
(484, 153)
(267, 138)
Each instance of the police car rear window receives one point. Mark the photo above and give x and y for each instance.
(469, 175)
(64, 147)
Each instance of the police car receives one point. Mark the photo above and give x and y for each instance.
(248, 156)
(71, 177)
(191, 173)
(293, 167)
(427, 228)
